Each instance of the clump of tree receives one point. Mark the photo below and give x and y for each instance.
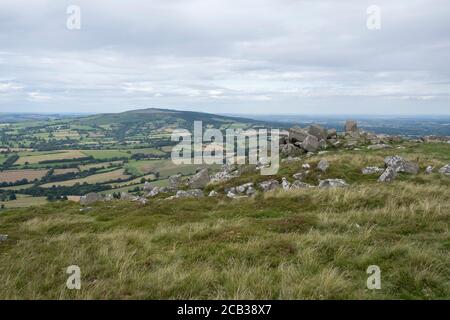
(10, 161)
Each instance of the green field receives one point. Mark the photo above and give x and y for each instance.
(24, 201)
(23, 186)
(62, 155)
(106, 154)
(92, 179)
(164, 168)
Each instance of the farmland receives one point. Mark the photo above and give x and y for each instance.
(30, 158)
(57, 157)
(92, 179)
(296, 244)
(16, 175)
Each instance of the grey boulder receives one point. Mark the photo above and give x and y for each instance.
(332, 183)
(388, 175)
(311, 143)
(297, 134)
(351, 126)
(323, 165)
(90, 198)
(318, 131)
(372, 170)
(401, 165)
(269, 185)
(445, 170)
(199, 180)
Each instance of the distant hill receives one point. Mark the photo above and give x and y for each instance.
(183, 119)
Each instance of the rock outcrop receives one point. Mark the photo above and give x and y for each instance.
(323, 165)
(401, 165)
(90, 198)
(297, 134)
(199, 180)
(269, 185)
(388, 175)
(311, 143)
(445, 170)
(350, 126)
(297, 184)
(332, 183)
(194, 193)
(318, 131)
(175, 180)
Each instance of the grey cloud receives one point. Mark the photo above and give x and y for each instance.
(226, 56)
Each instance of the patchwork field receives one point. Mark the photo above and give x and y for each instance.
(63, 171)
(106, 154)
(16, 175)
(92, 179)
(164, 168)
(24, 201)
(32, 159)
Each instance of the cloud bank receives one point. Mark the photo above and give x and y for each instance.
(265, 56)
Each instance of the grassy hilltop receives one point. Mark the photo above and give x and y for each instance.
(297, 244)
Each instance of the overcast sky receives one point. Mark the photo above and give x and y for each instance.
(226, 56)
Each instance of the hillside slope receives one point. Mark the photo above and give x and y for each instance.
(182, 118)
(297, 244)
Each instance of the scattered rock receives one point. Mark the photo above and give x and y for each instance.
(291, 159)
(269, 185)
(213, 194)
(199, 180)
(332, 134)
(90, 198)
(231, 195)
(286, 185)
(194, 193)
(297, 134)
(228, 172)
(323, 165)
(153, 192)
(351, 126)
(148, 187)
(297, 184)
(332, 183)
(291, 150)
(175, 180)
(242, 188)
(311, 143)
(388, 175)
(372, 170)
(318, 131)
(429, 170)
(300, 175)
(3, 237)
(401, 165)
(128, 197)
(306, 166)
(86, 209)
(250, 191)
(445, 170)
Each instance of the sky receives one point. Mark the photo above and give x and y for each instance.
(226, 56)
